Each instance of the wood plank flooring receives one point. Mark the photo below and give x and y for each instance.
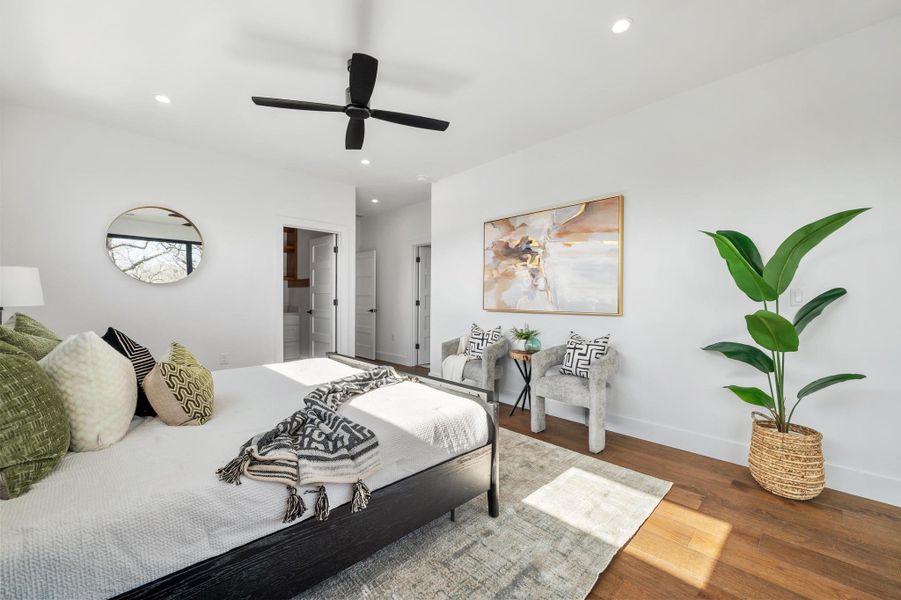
(717, 534)
(414, 369)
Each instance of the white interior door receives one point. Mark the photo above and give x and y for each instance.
(365, 307)
(424, 308)
(323, 265)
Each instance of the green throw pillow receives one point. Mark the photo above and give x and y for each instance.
(37, 347)
(34, 427)
(10, 349)
(24, 324)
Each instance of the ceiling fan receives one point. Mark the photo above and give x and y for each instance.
(363, 69)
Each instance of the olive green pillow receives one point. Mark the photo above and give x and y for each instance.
(37, 347)
(34, 428)
(10, 349)
(24, 324)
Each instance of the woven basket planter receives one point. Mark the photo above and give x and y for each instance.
(787, 464)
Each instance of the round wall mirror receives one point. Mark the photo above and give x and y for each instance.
(154, 244)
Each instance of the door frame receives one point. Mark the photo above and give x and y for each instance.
(345, 275)
(414, 358)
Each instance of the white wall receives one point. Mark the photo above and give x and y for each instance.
(393, 235)
(764, 152)
(65, 180)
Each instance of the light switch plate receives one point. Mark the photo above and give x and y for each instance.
(796, 296)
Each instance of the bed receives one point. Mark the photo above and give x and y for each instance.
(147, 517)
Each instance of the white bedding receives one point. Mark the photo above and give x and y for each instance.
(107, 521)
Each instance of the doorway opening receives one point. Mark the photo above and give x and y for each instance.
(422, 301)
(310, 302)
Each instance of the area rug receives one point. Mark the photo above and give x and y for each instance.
(563, 517)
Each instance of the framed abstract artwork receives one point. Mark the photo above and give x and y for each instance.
(561, 260)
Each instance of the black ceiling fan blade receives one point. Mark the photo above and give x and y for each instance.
(296, 104)
(363, 71)
(353, 139)
(410, 120)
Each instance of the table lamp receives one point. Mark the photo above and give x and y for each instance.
(20, 286)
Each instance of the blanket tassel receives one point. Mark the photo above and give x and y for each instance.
(361, 496)
(295, 507)
(321, 508)
(231, 473)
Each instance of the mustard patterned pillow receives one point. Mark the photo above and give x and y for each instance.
(180, 388)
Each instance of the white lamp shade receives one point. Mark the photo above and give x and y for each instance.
(20, 286)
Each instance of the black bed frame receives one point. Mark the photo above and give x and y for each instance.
(286, 562)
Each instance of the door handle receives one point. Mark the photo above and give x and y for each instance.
(310, 312)
(372, 310)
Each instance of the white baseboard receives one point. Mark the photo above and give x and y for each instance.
(838, 477)
(400, 359)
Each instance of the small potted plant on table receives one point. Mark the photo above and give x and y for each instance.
(525, 339)
(785, 459)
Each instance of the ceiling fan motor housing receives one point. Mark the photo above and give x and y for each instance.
(355, 111)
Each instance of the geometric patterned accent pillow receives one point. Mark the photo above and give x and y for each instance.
(34, 428)
(141, 360)
(580, 353)
(24, 324)
(180, 389)
(479, 339)
(180, 355)
(37, 347)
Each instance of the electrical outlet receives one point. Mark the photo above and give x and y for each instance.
(223, 358)
(796, 296)
(392, 337)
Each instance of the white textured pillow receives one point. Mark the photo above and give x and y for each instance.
(99, 389)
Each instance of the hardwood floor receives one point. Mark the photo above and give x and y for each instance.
(717, 534)
(415, 370)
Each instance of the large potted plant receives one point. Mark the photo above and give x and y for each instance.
(785, 459)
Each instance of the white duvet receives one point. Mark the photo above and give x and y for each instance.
(107, 521)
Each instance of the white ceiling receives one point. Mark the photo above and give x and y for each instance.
(505, 73)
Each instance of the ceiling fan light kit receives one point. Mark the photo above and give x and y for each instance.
(363, 71)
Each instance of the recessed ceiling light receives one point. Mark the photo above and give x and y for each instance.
(162, 99)
(375, 200)
(365, 161)
(421, 178)
(621, 26)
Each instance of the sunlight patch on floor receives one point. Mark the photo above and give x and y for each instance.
(602, 507)
(682, 542)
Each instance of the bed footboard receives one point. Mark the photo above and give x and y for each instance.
(484, 397)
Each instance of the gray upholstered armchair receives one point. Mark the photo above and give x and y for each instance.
(590, 393)
(483, 372)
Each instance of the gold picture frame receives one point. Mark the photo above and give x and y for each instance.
(522, 274)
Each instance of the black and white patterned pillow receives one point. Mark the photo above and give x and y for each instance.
(141, 360)
(580, 353)
(479, 339)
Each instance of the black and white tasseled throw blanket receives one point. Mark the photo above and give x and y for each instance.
(316, 445)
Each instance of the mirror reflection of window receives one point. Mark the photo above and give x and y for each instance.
(154, 245)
